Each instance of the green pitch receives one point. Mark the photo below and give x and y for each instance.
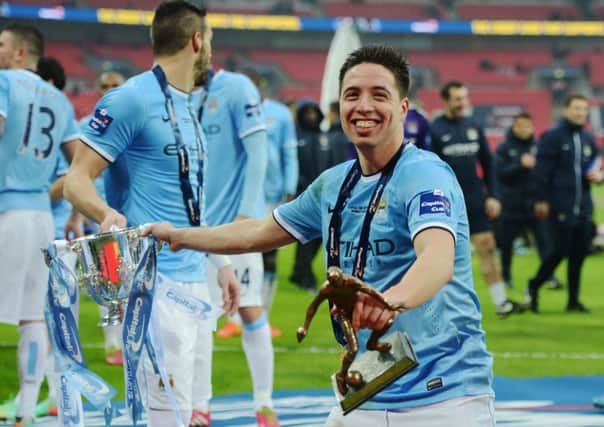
(552, 343)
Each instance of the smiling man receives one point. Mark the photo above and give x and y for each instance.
(409, 198)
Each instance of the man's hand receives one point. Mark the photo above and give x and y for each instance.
(113, 218)
(74, 227)
(231, 289)
(595, 176)
(528, 161)
(541, 210)
(370, 313)
(492, 208)
(165, 232)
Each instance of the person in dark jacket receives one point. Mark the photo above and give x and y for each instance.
(567, 164)
(460, 141)
(515, 161)
(417, 128)
(340, 147)
(313, 158)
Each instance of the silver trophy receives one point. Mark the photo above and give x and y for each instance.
(105, 266)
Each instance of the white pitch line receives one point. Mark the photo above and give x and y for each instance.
(334, 350)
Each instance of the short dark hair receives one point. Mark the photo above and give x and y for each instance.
(445, 92)
(173, 25)
(523, 115)
(30, 36)
(574, 96)
(51, 69)
(386, 56)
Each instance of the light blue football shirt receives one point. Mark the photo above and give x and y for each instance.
(231, 112)
(61, 209)
(131, 129)
(282, 167)
(39, 118)
(445, 331)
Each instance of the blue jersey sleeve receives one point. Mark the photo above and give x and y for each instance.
(290, 154)
(255, 147)
(434, 200)
(301, 217)
(115, 122)
(4, 95)
(246, 108)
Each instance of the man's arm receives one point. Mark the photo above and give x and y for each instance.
(433, 268)
(56, 189)
(239, 237)
(79, 188)
(255, 147)
(289, 153)
(486, 162)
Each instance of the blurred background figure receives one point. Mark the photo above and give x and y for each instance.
(515, 161)
(313, 158)
(460, 141)
(567, 165)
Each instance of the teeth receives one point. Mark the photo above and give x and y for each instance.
(365, 123)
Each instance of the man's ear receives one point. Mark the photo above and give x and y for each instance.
(196, 41)
(404, 107)
(20, 54)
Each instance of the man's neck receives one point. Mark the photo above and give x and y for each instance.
(178, 70)
(374, 159)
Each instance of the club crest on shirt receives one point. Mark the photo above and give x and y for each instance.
(472, 134)
(434, 202)
(382, 210)
(587, 151)
(212, 105)
(100, 120)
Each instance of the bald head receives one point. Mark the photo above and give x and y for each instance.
(109, 80)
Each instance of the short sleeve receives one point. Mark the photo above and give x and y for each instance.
(434, 201)
(62, 165)
(72, 129)
(301, 217)
(4, 95)
(115, 122)
(248, 114)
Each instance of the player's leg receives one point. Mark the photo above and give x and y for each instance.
(204, 344)
(256, 335)
(509, 231)
(582, 236)
(269, 289)
(561, 236)
(483, 239)
(178, 332)
(27, 232)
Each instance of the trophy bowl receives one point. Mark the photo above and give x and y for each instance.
(106, 265)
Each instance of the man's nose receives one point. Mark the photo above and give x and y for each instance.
(365, 103)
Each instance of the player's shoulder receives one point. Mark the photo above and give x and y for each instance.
(418, 163)
(419, 112)
(133, 94)
(232, 80)
(275, 107)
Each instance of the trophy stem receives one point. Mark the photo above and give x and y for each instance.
(113, 317)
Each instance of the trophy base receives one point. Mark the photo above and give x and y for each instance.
(378, 370)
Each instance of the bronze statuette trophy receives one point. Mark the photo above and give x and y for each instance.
(358, 380)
